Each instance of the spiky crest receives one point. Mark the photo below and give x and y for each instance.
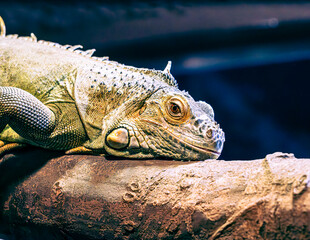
(168, 67)
(158, 74)
(170, 79)
(164, 75)
(2, 27)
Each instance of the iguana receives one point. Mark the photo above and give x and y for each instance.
(60, 97)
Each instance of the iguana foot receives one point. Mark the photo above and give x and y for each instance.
(8, 147)
(80, 150)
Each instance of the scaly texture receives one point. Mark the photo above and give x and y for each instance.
(94, 105)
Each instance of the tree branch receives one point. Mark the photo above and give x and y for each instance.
(90, 197)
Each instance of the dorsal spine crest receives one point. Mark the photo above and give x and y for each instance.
(164, 75)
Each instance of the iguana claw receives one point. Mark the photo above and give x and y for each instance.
(79, 150)
(7, 147)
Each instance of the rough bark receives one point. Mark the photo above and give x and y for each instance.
(90, 197)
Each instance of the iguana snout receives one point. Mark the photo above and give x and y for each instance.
(213, 136)
(189, 127)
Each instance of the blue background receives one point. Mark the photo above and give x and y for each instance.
(249, 61)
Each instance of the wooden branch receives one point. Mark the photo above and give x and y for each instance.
(89, 197)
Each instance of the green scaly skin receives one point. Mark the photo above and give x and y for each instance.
(59, 97)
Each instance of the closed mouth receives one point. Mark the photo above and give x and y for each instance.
(195, 147)
(200, 149)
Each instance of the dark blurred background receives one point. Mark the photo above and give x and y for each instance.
(250, 61)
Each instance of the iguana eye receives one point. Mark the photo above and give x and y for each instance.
(176, 108)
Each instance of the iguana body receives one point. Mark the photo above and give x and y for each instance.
(57, 97)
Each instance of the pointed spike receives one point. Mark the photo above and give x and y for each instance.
(104, 58)
(66, 46)
(33, 37)
(168, 67)
(100, 59)
(75, 47)
(90, 52)
(2, 28)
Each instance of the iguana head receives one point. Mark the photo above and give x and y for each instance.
(170, 124)
(156, 120)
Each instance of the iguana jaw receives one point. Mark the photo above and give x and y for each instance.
(187, 142)
(211, 152)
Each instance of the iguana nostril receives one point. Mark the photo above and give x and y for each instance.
(209, 133)
(198, 122)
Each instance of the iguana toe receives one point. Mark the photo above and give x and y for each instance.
(79, 150)
(8, 147)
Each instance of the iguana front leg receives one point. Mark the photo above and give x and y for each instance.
(25, 114)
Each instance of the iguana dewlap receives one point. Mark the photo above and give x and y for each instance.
(59, 97)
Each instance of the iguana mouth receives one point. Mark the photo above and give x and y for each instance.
(200, 149)
(193, 146)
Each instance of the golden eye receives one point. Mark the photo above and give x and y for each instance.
(176, 109)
